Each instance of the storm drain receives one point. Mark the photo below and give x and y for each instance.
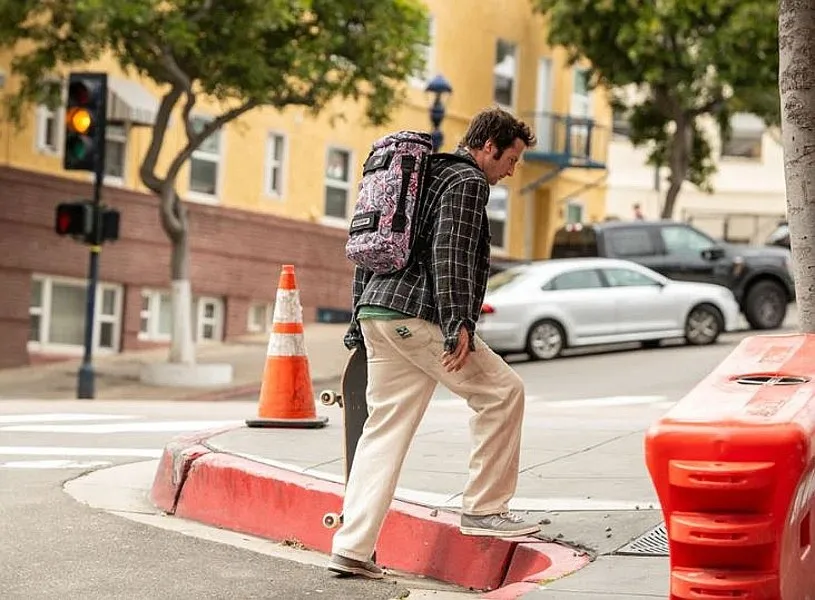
(651, 543)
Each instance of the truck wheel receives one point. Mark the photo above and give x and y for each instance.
(766, 305)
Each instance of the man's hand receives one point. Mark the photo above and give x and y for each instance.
(454, 361)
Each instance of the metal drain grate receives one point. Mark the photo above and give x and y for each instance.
(651, 543)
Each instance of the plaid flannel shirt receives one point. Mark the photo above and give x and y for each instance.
(447, 282)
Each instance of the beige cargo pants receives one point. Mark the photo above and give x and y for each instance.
(404, 366)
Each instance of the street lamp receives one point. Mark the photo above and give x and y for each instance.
(438, 86)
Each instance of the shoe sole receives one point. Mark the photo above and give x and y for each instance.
(343, 570)
(497, 533)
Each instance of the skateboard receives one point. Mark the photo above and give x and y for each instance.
(354, 406)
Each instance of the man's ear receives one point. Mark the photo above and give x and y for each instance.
(489, 147)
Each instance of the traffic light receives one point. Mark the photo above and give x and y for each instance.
(77, 219)
(110, 225)
(74, 219)
(85, 122)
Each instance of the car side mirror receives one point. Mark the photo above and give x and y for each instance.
(714, 253)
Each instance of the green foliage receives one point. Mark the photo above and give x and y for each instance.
(268, 52)
(683, 58)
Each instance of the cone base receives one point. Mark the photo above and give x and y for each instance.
(315, 423)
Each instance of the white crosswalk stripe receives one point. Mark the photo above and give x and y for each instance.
(84, 426)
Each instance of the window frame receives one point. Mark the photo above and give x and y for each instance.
(273, 162)
(515, 73)
(45, 310)
(207, 156)
(421, 80)
(333, 183)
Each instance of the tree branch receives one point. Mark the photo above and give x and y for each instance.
(174, 71)
(209, 129)
(148, 166)
(185, 115)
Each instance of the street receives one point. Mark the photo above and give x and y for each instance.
(63, 548)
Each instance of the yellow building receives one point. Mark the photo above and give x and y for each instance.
(294, 166)
(275, 188)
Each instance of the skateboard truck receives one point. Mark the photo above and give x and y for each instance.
(332, 520)
(329, 398)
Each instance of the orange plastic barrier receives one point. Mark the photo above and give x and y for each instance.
(734, 469)
(286, 394)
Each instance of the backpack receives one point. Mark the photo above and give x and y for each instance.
(383, 231)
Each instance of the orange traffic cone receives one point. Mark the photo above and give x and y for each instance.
(286, 395)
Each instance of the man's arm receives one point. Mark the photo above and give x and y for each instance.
(456, 236)
(353, 336)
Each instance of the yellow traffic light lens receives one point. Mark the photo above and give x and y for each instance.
(79, 120)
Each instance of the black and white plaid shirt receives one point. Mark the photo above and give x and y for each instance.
(448, 284)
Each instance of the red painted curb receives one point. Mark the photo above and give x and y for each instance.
(244, 495)
(174, 465)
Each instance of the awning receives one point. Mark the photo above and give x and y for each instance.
(130, 102)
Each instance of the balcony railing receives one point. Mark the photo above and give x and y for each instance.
(568, 141)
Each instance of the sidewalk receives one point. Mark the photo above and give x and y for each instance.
(582, 476)
(117, 376)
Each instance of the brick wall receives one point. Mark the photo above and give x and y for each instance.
(234, 254)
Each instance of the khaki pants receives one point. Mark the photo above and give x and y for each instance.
(404, 366)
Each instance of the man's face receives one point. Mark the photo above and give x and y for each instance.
(497, 168)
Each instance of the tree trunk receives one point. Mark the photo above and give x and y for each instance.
(796, 32)
(679, 164)
(182, 346)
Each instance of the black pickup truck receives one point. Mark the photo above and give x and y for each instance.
(760, 277)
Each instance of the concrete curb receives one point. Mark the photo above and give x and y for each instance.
(195, 482)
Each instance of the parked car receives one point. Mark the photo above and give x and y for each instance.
(543, 307)
(759, 277)
(780, 237)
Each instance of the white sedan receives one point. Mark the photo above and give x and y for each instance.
(543, 307)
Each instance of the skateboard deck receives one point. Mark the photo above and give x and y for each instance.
(352, 400)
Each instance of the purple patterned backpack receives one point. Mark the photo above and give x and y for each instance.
(394, 179)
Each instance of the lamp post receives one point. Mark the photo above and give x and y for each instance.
(438, 86)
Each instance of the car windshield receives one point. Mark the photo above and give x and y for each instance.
(503, 279)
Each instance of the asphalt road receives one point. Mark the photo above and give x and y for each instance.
(57, 548)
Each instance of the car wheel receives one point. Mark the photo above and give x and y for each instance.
(546, 340)
(704, 325)
(766, 305)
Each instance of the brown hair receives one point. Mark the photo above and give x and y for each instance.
(499, 126)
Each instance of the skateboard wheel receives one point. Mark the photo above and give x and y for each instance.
(331, 520)
(327, 398)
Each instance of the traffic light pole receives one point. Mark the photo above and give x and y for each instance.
(86, 382)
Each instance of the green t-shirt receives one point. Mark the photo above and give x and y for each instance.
(367, 311)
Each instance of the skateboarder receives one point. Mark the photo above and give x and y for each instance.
(418, 326)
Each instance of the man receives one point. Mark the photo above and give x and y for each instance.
(418, 326)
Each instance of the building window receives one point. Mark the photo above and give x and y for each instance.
(205, 162)
(428, 53)
(49, 121)
(275, 160)
(115, 146)
(504, 73)
(259, 318)
(337, 183)
(574, 212)
(747, 132)
(497, 214)
(156, 316)
(209, 320)
(57, 315)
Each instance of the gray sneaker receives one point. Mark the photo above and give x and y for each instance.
(349, 566)
(500, 525)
